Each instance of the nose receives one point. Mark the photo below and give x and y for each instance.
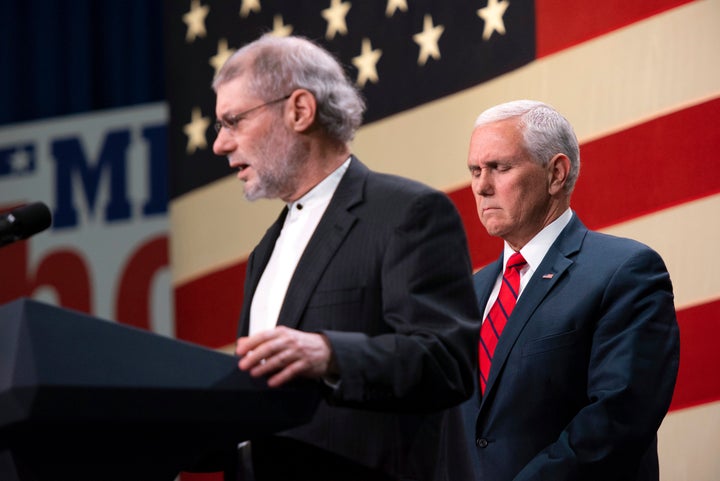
(482, 184)
(224, 143)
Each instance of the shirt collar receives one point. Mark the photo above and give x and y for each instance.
(535, 250)
(322, 192)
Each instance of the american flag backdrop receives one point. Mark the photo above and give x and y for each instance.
(639, 80)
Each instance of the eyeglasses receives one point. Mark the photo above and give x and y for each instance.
(231, 122)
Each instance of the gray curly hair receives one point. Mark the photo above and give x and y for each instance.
(279, 65)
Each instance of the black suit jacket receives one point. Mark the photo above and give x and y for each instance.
(584, 371)
(387, 278)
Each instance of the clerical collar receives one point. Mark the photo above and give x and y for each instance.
(322, 192)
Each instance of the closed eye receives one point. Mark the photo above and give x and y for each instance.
(476, 170)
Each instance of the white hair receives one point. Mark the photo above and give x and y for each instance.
(545, 132)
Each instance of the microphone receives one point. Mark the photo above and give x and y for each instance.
(24, 221)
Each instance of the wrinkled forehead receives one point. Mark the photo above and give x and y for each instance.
(496, 140)
(234, 95)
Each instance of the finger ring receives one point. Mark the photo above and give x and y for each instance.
(263, 361)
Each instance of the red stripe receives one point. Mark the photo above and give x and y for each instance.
(698, 380)
(561, 24)
(208, 308)
(659, 164)
(133, 302)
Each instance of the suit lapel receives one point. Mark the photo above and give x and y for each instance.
(256, 265)
(546, 276)
(330, 233)
(484, 281)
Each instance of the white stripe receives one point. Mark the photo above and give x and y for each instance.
(684, 236)
(688, 443)
(215, 227)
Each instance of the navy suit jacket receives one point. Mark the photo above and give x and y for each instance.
(585, 369)
(386, 276)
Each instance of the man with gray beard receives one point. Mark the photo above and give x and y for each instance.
(363, 283)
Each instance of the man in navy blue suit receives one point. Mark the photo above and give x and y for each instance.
(582, 374)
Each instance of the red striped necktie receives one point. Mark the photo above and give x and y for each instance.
(499, 313)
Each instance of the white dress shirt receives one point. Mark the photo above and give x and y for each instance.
(301, 221)
(533, 252)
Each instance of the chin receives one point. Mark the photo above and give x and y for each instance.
(251, 194)
(494, 231)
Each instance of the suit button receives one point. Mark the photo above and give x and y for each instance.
(481, 442)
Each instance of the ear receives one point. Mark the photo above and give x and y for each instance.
(302, 107)
(558, 170)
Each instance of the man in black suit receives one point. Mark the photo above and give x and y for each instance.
(363, 283)
(576, 384)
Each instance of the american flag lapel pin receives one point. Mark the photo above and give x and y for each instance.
(548, 276)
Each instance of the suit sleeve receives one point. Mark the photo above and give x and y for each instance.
(631, 376)
(424, 355)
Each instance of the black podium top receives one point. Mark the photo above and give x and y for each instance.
(67, 375)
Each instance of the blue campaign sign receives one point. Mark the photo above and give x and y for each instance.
(17, 159)
(104, 177)
(72, 162)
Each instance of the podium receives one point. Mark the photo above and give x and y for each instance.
(83, 398)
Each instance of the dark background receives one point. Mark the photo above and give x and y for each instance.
(60, 57)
